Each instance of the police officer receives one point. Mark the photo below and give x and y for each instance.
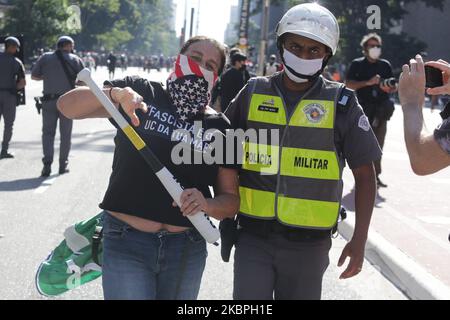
(12, 78)
(291, 188)
(364, 75)
(234, 79)
(272, 66)
(58, 70)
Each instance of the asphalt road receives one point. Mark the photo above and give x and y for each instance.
(35, 212)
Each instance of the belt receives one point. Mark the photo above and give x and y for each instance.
(264, 228)
(50, 97)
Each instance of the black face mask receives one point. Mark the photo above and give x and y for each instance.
(189, 95)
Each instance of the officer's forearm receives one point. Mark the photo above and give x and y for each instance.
(365, 191)
(223, 206)
(21, 84)
(81, 103)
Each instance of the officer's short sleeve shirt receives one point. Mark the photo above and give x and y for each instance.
(354, 138)
(49, 68)
(12, 70)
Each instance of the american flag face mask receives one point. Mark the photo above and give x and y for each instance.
(190, 87)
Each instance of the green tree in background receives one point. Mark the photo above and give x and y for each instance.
(352, 17)
(40, 21)
(140, 26)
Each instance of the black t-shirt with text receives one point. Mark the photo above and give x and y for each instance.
(133, 188)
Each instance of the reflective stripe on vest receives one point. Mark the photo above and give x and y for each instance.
(297, 181)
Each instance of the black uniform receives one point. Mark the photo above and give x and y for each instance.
(231, 82)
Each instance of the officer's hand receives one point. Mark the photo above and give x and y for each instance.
(192, 201)
(374, 81)
(412, 84)
(130, 101)
(444, 66)
(355, 251)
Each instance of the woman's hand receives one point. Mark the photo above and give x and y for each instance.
(412, 84)
(130, 101)
(192, 201)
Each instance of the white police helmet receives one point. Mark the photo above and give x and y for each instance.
(13, 40)
(312, 21)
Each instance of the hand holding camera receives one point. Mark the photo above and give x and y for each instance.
(374, 80)
(415, 78)
(388, 85)
(438, 77)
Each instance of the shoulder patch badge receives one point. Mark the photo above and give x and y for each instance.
(364, 123)
(314, 112)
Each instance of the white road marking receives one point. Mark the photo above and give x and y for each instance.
(435, 219)
(45, 185)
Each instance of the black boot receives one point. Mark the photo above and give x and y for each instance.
(47, 170)
(380, 184)
(63, 167)
(5, 155)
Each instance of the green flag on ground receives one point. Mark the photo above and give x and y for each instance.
(71, 265)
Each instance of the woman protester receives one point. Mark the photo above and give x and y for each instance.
(150, 248)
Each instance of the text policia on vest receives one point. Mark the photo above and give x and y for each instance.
(260, 148)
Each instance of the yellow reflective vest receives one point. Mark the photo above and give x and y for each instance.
(297, 178)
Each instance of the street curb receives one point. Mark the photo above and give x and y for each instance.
(412, 279)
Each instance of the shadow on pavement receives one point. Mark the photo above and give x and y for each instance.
(87, 143)
(21, 185)
(348, 201)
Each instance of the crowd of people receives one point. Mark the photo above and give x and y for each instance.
(281, 220)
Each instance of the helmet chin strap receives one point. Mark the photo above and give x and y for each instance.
(310, 78)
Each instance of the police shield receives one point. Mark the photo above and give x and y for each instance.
(20, 55)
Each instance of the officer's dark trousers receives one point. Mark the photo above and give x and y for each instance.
(50, 117)
(8, 112)
(278, 268)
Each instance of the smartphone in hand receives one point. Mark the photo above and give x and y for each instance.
(433, 77)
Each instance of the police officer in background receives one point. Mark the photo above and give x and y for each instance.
(12, 78)
(233, 79)
(272, 66)
(58, 70)
(291, 190)
(365, 75)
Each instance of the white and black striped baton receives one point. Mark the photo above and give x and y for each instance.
(200, 220)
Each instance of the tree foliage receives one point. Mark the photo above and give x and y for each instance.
(352, 16)
(140, 26)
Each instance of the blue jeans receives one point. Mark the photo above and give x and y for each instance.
(150, 266)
